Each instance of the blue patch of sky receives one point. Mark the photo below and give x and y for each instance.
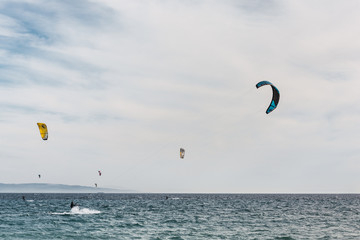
(36, 27)
(10, 76)
(35, 110)
(5, 81)
(89, 71)
(26, 109)
(32, 20)
(38, 18)
(16, 45)
(36, 21)
(89, 13)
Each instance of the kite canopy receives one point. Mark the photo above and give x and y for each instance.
(275, 98)
(182, 153)
(43, 130)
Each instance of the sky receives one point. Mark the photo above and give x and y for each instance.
(123, 85)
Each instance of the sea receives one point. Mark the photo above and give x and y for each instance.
(179, 216)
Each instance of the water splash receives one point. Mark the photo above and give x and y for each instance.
(78, 211)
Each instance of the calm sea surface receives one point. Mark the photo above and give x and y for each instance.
(181, 216)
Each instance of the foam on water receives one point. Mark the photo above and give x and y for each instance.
(78, 211)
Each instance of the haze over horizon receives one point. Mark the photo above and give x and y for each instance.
(56, 188)
(123, 85)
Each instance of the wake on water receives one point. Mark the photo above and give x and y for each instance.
(78, 211)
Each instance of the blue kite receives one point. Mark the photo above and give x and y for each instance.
(275, 98)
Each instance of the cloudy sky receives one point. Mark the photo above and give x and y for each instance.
(122, 85)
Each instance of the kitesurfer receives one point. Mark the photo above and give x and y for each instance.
(23, 197)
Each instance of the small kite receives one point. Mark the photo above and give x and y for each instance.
(275, 98)
(43, 130)
(182, 153)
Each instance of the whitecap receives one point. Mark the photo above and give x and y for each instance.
(78, 211)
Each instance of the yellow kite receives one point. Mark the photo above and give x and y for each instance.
(43, 130)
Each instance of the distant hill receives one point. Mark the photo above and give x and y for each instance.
(54, 188)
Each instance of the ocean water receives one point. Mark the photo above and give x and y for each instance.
(180, 216)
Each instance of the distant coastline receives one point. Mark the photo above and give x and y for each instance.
(54, 188)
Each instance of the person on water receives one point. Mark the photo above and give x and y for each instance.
(72, 204)
(23, 197)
